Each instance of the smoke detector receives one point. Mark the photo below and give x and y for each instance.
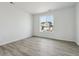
(12, 3)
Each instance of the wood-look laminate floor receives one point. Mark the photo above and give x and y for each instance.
(36, 46)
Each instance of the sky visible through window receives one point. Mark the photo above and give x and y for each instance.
(47, 18)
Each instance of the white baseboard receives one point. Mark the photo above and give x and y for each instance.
(27, 38)
(53, 38)
(14, 41)
(77, 43)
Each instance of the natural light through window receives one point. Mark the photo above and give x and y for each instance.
(46, 23)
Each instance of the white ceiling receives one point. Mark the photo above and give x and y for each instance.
(39, 7)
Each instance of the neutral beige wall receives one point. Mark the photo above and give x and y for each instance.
(77, 23)
(64, 27)
(14, 24)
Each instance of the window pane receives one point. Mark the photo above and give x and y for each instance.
(46, 23)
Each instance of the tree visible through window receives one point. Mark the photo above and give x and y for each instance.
(46, 23)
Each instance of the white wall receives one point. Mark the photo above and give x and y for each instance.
(77, 23)
(14, 24)
(63, 27)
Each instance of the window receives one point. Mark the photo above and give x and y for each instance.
(46, 23)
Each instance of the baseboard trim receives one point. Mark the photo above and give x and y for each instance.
(58, 39)
(53, 39)
(77, 43)
(14, 41)
(39, 37)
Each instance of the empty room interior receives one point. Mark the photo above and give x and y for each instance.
(39, 29)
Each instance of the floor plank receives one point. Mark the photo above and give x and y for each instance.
(36, 46)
